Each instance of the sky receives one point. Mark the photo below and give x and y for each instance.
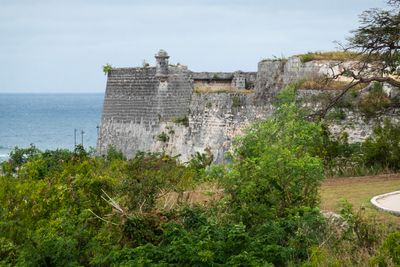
(59, 46)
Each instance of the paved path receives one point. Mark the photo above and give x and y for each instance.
(389, 202)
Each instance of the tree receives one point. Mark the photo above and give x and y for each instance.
(276, 168)
(377, 42)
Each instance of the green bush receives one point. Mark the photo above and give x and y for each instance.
(276, 169)
(114, 154)
(107, 68)
(375, 101)
(389, 252)
(63, 208)
(383, 147)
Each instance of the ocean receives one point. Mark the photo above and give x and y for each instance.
(48, 120)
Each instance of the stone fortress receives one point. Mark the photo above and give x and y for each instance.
(172, 109)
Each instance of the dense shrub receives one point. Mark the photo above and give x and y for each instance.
(62, 208)
(275, 167)
(383, 147)
(389, 252)
(114, 154)
(379, 153)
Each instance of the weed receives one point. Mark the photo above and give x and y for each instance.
(236, 102)
(215, 76)
(107, 68)
(163, 137)
(182, 120)
(337, 114)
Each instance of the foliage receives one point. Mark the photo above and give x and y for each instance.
(374, 156)
(148, 174)
(337, 114)
(200, 161)
(379, 35)
(63, 208)
(383, 147)
(19, 156)
(114, 154)
(182, 120)
(163, 137)
(57, 210)
(275, 167)
(376, 42)
(107, 68)
(389, 252)
(353, 239)
(215, 76)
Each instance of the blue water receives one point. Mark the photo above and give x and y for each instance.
(48, 120)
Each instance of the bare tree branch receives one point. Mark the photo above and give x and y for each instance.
(377, 42)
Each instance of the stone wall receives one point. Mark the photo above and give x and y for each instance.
(356, 125)
(220, 80)
(273, 75)
(214, 120)
(135, 104)
(143, 112)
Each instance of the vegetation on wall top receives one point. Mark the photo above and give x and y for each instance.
(330, 55)
(107, 68)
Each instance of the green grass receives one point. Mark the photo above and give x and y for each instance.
(359, 191)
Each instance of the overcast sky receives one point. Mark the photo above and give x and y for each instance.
(60, 46)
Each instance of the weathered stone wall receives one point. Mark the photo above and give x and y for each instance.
(135, 104)
(273, 75)
(214, 120)
(142, 110)
(217, 84)
(220, 80)
(269, 79)
(359, 127)
(356, 125)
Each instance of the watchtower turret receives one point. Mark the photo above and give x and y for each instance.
(162, 64)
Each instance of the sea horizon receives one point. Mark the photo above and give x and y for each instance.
(48, 120)
(51, 93)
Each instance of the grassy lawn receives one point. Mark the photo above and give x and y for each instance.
(359, 191)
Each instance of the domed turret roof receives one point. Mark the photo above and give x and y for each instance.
(162, 53)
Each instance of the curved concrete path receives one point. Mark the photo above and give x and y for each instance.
(389, 202)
